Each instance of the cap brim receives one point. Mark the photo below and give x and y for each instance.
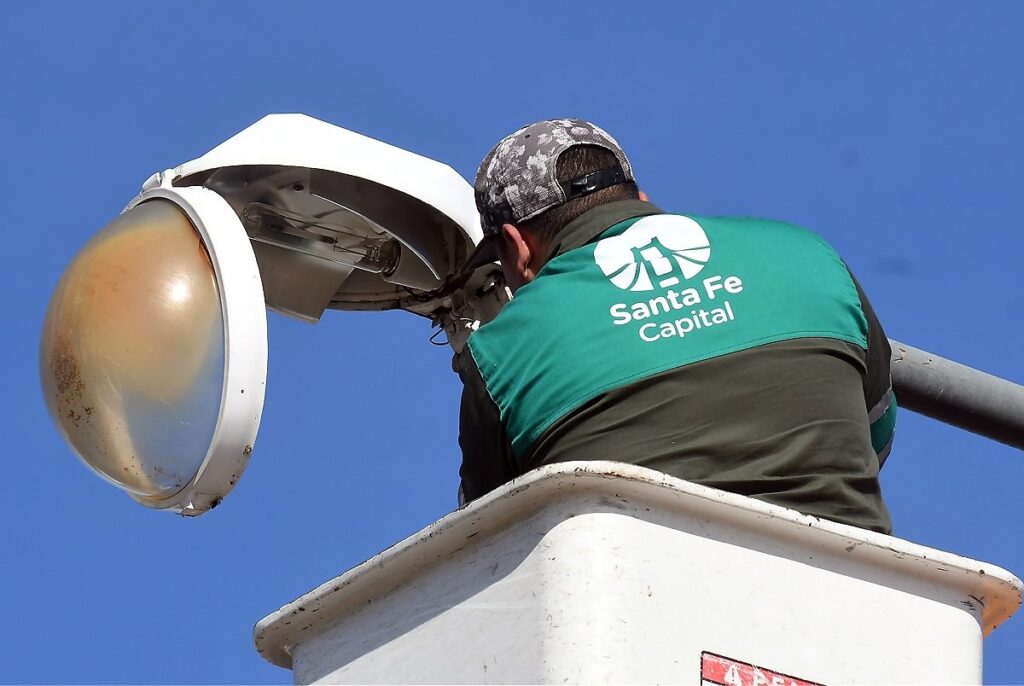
(486, 252)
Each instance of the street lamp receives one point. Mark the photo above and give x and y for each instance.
(154, 348)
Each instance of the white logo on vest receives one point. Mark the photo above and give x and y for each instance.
(655, 252)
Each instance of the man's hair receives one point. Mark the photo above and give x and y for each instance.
(575, 162)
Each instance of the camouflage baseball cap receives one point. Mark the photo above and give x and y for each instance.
(518, 181)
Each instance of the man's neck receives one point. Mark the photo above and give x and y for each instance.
(595, 221)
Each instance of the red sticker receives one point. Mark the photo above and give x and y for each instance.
(716, 669)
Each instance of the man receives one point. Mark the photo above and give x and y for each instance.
(735, 353)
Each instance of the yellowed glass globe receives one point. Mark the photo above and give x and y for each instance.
(132, 352)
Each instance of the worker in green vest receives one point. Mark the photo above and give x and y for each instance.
(736, 353)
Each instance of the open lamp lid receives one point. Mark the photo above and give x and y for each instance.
(337, 219)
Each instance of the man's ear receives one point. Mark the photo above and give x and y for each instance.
(518, 252)
(643, 196)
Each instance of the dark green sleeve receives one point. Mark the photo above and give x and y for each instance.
(487, 457)
(878, 395)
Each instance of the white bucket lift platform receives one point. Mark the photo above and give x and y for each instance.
(598, 572)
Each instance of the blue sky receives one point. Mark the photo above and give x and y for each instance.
(892, 129)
